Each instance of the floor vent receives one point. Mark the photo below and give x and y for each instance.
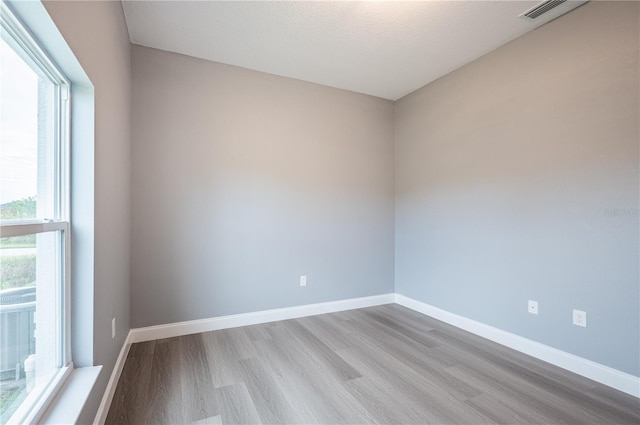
(542, 8)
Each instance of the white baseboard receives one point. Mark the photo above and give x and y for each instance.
(621, 381)
(105, 403)
(233, 321)
(600, 373)
(224, 322)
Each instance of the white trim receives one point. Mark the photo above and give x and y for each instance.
(600, 373)
(15, 229)
(107, 397)
(71, 398)
(224, 322)
(34, 406)
(606, 375)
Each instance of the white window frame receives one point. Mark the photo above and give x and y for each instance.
(18, 37)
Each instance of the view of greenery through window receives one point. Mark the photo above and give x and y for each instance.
(18, 271)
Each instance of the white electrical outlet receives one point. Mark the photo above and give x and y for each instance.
(113, 328)
(580, 318)
(303, 280)
(533, 307)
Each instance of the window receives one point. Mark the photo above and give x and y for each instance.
(34, 226)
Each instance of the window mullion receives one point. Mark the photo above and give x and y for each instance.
(11, 230)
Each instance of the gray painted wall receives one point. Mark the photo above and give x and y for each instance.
(97, 34)
(243, 181)
(517, 179)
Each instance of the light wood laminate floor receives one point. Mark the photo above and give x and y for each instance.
(384, 364)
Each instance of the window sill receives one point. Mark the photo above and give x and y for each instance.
(71, 398)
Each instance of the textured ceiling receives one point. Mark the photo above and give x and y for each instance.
(382, 48)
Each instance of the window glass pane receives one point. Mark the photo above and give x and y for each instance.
(27, 139)
(31, 283)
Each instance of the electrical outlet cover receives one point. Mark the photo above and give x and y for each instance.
(580, 318)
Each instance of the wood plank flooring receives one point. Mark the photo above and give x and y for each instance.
(379, 365)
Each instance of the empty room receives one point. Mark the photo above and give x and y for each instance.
(320, 212)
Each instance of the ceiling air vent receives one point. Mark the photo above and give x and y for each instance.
(542, 8)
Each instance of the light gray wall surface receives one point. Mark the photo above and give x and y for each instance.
(243, 181)
(517, 179)
(97, 34)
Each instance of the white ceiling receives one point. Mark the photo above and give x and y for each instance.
(382, 48)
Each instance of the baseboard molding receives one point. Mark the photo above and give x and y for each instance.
(233, 321)
(600, 373)
(621, 381)
(105, 403)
